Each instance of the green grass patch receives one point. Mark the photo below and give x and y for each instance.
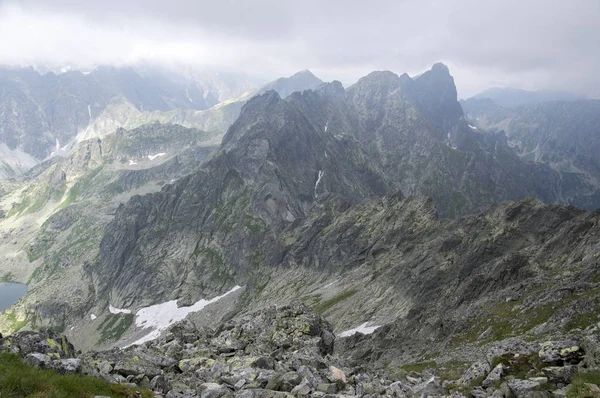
(579, 389)
(327, 304)
(7, 277)
(114, 326)
(520, 366)
(453, 370)
(504, 320)
(35, 198)
(81, 187)
(18, 380)
(15, 324)
(419, 366)
(582, 321)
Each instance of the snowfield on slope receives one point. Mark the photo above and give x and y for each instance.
(160, 316)
(364, 329)
(114, 310)
(152, 157)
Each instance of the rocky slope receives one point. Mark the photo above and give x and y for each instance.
(290, 351)
(53, 221)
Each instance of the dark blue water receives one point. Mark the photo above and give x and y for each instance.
(10, 293)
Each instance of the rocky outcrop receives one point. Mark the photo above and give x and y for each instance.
(284, 351)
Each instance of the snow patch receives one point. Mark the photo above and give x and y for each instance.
(93, 317)
(90, 112)
(364, 329)
(472, 127)
(152, 157)
(132, 162)
(114, 310)
(326, 154)
(321, 173)
(188, 96)
(326, 126)
(160, 316)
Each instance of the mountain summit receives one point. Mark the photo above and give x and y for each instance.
(303, 80)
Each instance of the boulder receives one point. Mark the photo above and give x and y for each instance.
(559, 353)
(560, 374)
(67, 366)
(523, 388)
(336, 375)
(494, 376)
(327, 388)
(181, 393)
(264, 363)
(475, 371)
(213, 390)
(37, 360)
(159, 384)
(301, 389)
(136, 366)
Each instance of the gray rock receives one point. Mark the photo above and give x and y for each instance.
(136, 366)
(301, 389)
(494, 376)
(313, 379)
(561, 392)
(264, 363)
(160, 384)
(104, 368)
(568, 352)
(327, 388)
(327, 342)
(475, 371)
(479, 392)
(523, 388)
(213, 390)
(67, 366)
(181, 393)
(430, 387)
(290, 380)
(560, 374)
(37, 360)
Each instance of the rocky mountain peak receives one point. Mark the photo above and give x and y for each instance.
(435, 92)
(440, 68)
(378, 80)
(334, 88)
(300, 81)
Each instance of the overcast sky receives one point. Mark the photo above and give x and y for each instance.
(531, 44)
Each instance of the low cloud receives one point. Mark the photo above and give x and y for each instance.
(532, 44)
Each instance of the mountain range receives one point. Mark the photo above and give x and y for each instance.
(512, 97)
(443, 226)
